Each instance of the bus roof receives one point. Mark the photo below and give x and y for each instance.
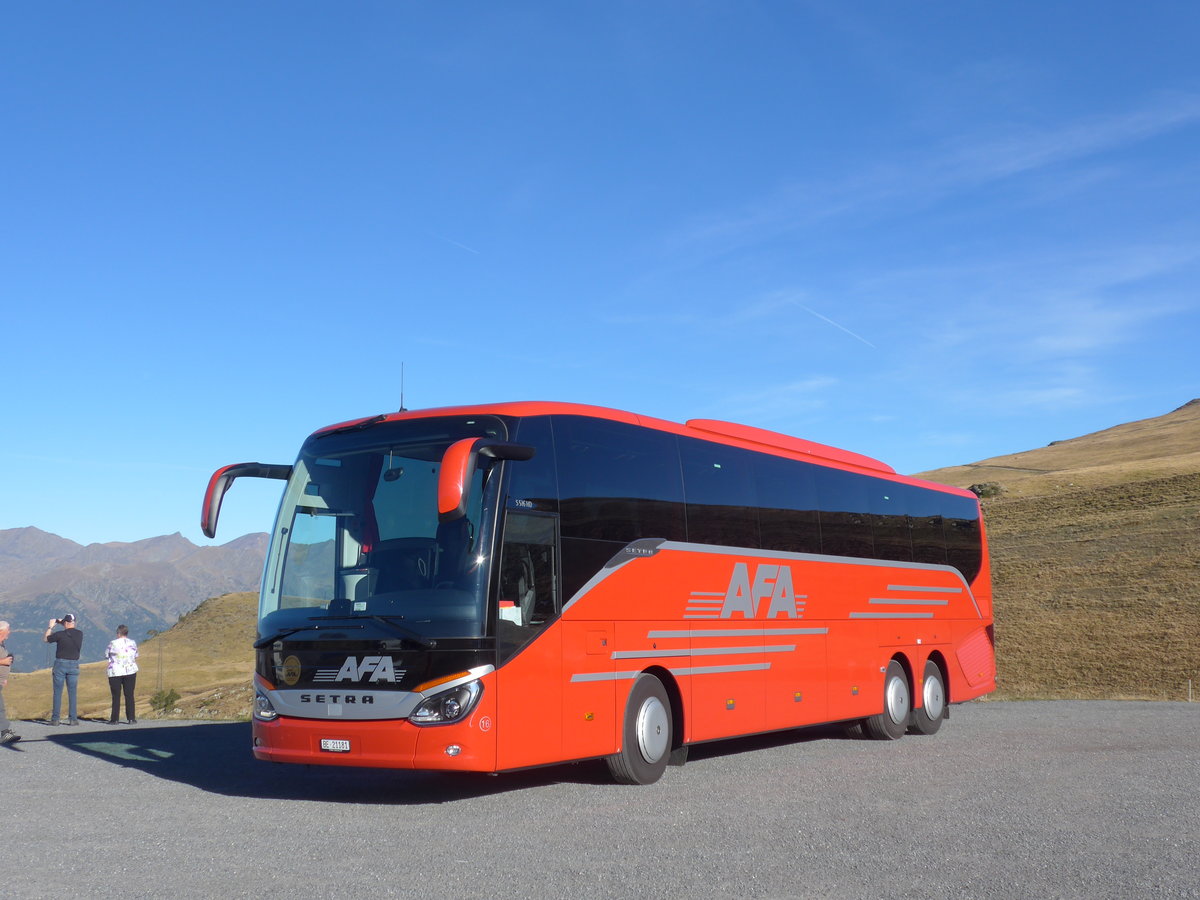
(706, 429)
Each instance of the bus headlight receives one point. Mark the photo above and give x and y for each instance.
(263, 710)
(449, 706)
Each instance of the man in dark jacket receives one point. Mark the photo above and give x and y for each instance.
(69, 641)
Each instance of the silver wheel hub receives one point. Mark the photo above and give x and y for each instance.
(933, 698)
(653, 730)
(897, 700)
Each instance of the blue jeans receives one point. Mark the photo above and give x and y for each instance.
(65, 670)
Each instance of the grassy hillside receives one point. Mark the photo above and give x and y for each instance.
(1096, 561)
(206, 658)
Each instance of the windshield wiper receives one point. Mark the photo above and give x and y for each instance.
(263, 642)
(414, 635)
(387, 621)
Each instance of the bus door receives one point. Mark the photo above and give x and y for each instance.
(529, 729)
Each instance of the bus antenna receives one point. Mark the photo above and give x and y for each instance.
(402, 408)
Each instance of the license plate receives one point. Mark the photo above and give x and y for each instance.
(333, 746)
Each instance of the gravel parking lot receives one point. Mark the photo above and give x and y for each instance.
(1046, 799)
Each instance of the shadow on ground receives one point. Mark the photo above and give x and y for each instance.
(216, 757)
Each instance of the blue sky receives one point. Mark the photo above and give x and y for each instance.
(930, 232)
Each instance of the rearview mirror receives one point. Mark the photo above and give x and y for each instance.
(220, 482)
(458, 467)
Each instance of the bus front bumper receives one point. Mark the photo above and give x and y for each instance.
(389, 743)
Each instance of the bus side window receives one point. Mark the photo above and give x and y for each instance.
(721, 502)
(964, 545)
(890, 527)
(618, 482)
(787, 497)
(845, 519)
(528, 597)
(928, 534)
(533, 483)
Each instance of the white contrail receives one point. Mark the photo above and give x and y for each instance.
(455, 243)
(827, 320)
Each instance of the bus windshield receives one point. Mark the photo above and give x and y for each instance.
(358, 538)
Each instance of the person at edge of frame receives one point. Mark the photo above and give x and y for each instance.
(7, 735)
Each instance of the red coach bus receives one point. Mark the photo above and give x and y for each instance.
(495, 587)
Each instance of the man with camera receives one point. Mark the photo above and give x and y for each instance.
(6, 660)
(68, 643)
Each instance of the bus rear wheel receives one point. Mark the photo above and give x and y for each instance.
(891, 724)
(928, 718)
(645, 735)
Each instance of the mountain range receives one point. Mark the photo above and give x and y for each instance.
(146, 585)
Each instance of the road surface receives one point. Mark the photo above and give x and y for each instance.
(1047, 799)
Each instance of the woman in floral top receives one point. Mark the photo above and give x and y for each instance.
(122, 674)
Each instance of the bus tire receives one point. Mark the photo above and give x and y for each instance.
(928, 719)
(891, 724)
(645, 734)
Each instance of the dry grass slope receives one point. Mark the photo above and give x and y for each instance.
(206, 658)
(1096, 561)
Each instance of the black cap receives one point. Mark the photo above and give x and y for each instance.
(67, 618)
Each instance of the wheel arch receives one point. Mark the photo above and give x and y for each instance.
(905, 663)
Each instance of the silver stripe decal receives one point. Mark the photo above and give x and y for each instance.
(702, 651)
(890, 615)
(605, 676)
(690, 670)
(926, 588)
(721, 670)
(913, 602)
(735, 632)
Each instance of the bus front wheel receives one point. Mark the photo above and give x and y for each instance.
(891, 724)
(645, 735)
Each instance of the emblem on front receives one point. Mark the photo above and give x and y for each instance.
(379, 668)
